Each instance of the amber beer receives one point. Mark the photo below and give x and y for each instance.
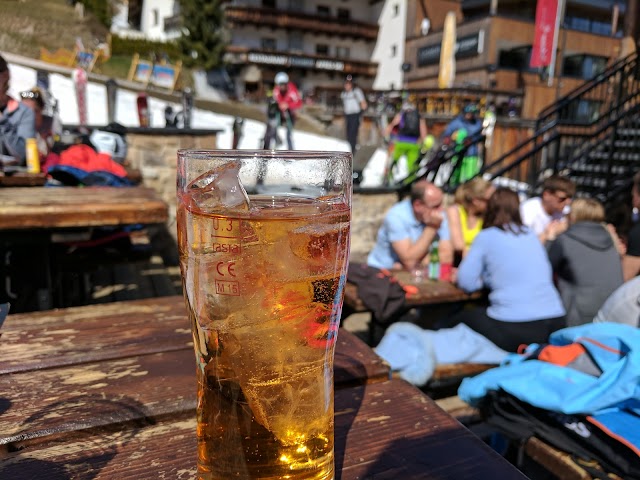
(263, 283)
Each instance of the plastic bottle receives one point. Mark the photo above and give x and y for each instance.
(434, 262)
(33, 156)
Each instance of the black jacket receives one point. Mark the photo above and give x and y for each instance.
(587, 267)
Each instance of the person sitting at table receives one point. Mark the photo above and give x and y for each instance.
(409, 228)
(17, 121)
(508, 259)
(465, 215)
(47, 128)
(585, 261)
(546, 214)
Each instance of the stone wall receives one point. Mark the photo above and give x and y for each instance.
(155, 156)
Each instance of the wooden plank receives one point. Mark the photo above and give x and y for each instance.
(57, 400)
(385, 430)
(94, 333)
(355, 363)
(558, 463)
(23, 179)
(64, 207)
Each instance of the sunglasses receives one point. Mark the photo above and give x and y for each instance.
(562, 198)
(31, 95)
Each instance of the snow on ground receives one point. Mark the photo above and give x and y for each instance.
(23, 78)
(61, 86)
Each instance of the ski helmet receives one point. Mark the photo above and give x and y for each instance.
(109, 143)
(281, 78)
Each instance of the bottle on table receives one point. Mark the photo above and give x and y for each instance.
(33, 156)
(434, 262)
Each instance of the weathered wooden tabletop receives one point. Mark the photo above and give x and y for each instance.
(69, 207)
(109, 391)
(428, 292)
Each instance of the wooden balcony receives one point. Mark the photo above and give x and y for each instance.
(236, 54)
(291, 20)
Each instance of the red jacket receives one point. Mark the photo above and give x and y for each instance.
(289, 99)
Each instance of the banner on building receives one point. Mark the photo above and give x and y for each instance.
(545, 31)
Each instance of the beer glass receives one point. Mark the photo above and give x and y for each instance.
(264, 244)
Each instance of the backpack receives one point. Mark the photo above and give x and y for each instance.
(410, 123)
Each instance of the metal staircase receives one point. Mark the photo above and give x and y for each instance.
(592, 135)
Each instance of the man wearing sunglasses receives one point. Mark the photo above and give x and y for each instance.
(17, 121)
(545, 215)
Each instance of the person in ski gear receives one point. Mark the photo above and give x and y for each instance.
(465, 126)
(17, 121)
(288, 98)
(409, 131)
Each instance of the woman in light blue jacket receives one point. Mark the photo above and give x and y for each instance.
(508, 260)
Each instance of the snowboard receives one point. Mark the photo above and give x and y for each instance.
(79, 76)
(143, 109)
(112, 93)
(187, 107)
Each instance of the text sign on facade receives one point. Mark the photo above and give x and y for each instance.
(468, 46)
(295, 61)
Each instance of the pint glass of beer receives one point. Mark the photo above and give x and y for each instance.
(264, 245)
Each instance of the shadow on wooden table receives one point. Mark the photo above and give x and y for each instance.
(122, 411)
(348, 416)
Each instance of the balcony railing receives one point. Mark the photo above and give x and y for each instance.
(237, 54)
(269, 17)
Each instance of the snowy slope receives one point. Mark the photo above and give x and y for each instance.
(61, 87)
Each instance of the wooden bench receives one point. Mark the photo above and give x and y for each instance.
(557, 462)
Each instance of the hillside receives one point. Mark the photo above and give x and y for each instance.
(27, 25)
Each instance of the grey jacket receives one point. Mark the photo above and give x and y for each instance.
(588, 269)
(17, 123)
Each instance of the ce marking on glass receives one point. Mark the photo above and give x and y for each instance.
(225, 285)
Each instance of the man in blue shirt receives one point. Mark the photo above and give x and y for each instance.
(409, 229)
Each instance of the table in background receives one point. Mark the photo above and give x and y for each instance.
(109, 391)
(30, 217)
(22, 179)
(429, 293)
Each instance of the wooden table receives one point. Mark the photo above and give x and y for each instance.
(23, 179)
(429, 293)
(30, 217)
(109, 391)
(68, 207)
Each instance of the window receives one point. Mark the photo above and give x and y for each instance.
(343, 52)
(322, 49)
(394, 50)
(268, 43)
(323, 10)
(156, 17)
(517, 58)
(296, 41)
(269, 3)
(583, 66)
(344, 14)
